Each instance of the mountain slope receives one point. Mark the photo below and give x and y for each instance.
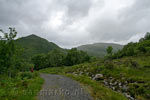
(99, 49)
(33, 44)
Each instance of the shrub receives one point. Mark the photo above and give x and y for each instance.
(141, 90)
(109, 64)
(2, 93)
(25, 75)
(132, 64)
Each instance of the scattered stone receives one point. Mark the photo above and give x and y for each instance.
(120, 84)
(126, 82)
(125, 88)
(110, 77)
(129, 96)
(80, 73)
(98, 77)
(119, 91)
(110, 83)
(115, 83)
(87, 73)
(113, 88)
(105, 82)
(75, 74)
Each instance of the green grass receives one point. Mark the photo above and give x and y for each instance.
(20, 88)
(122, 71)
(97, 90)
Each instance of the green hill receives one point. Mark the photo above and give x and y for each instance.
(99, 49)
(33, 44)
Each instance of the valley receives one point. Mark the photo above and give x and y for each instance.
(34, 64)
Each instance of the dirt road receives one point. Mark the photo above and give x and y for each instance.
(57, 87)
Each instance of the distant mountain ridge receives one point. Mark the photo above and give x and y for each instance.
(34, 44)
(99, 49)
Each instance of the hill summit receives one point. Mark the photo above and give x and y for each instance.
(34, 44)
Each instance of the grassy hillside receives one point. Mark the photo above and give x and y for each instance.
(99, 49)
(35, 45)
(128, 77)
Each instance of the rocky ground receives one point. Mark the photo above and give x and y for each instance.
(118, 85)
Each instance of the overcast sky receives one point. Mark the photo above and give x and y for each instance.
(70, 23)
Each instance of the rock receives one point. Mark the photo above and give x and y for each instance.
(105, 82)
(126, 82)
(124, 88)
(111, 80)
(80, 73)
(92, 75)
(120, 84)
(119, 91)
(85, 70)
(75, 74)
(98, 77)
(113, 88)
(87, 73)
(116, 83)
(110, 77)
(111, 83)
(129, 96)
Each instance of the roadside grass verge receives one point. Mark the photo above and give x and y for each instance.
(134, 70)
(97, 90)
(25, 86)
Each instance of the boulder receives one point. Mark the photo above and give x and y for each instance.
(98, 77)
(80, 73)
(129, 96)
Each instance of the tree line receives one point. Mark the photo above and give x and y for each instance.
(132, 49)
(12, 61)
(57, 58)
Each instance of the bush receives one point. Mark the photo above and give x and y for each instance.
(25, 75)
(2, 92)
(141, 90)
(133, 49)
(133, 64)
(109, 64)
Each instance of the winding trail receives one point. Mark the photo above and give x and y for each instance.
(57, 87)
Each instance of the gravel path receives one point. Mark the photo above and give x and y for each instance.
(57, 87)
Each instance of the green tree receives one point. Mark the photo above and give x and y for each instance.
(109, 50)
(72, 57)
(147, 36)
(130, 51)
(84, 57)
(55, 58)
(7, 51)
(143, 46)
(76, 57)
(39, 61)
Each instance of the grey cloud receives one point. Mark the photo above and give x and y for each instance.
(78, 8)
(129, 22)
(81, 21)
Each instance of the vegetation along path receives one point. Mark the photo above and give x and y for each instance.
(57, 87)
